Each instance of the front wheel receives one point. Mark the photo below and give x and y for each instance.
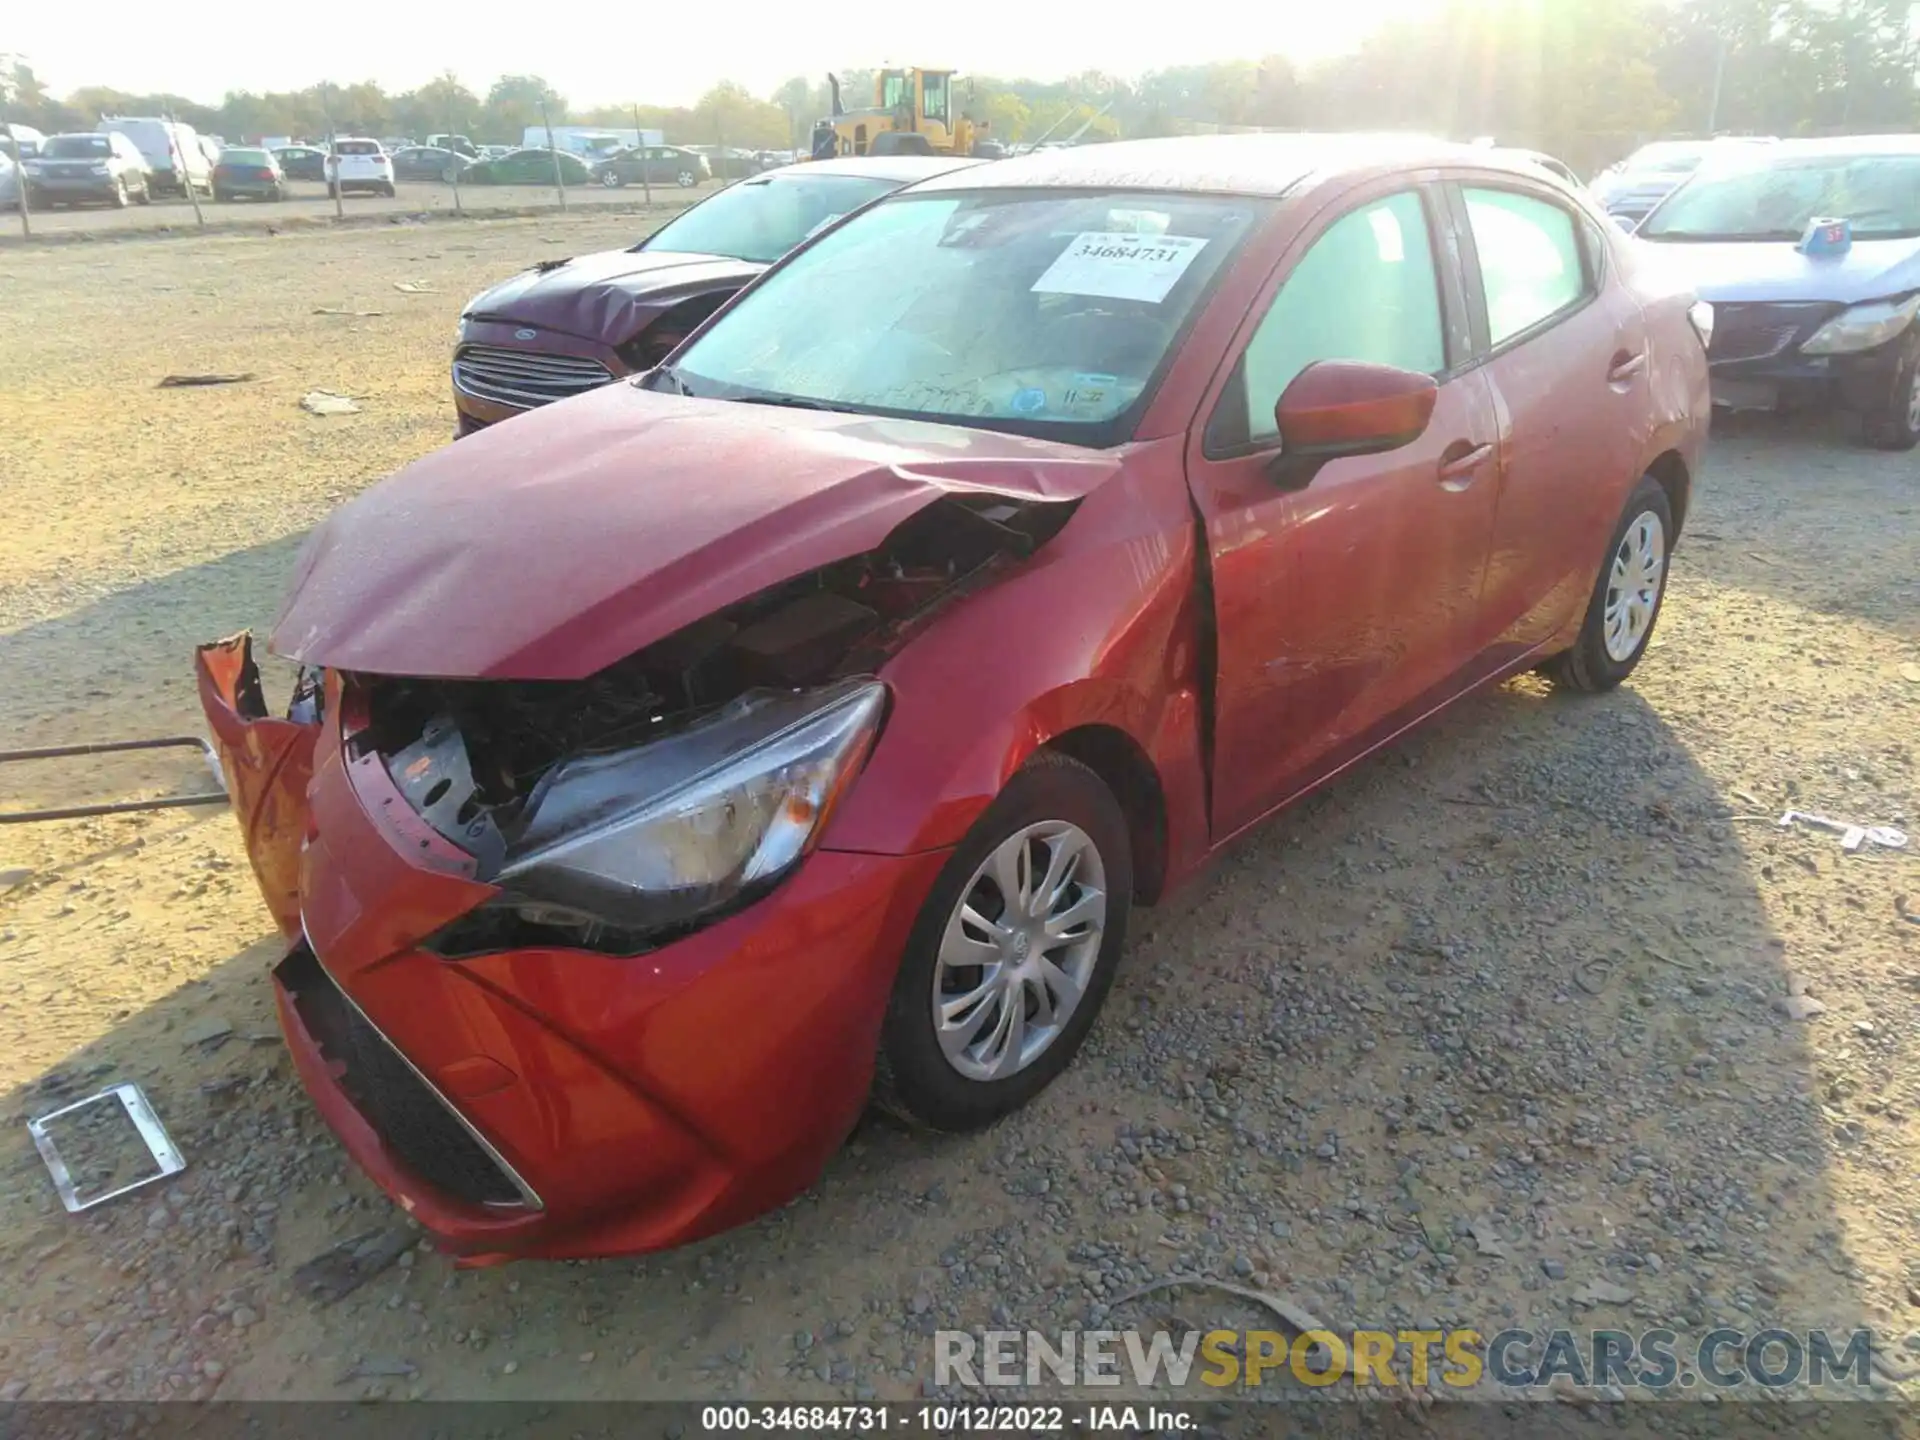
(1012, 954)
(611, 179)
(1895, 424)
(687, 179)
(1626, 597)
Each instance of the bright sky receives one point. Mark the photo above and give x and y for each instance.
(660, 53)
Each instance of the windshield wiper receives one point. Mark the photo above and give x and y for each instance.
(789, 402)
(672, 378)
(1713, 237)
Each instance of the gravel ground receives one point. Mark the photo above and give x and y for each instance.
(308, 204)
(1536, 1019)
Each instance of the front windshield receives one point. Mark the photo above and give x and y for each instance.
(77, 147)
(1879, 194)
(1041, 312)
(763, 218)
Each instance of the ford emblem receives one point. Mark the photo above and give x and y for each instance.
(525, 334)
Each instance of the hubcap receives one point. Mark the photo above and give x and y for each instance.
(1019, 949)
(1913, 401)
(1633, 585)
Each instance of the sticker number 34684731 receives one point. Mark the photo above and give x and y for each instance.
(1118, 266)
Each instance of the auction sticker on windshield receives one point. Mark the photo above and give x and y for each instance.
(1114, 265)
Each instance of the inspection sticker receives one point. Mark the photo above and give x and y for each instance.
(1117, 266)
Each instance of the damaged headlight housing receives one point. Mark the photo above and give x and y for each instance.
(645, 841)
(1863, 327)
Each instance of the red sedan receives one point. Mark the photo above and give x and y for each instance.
(682, 767)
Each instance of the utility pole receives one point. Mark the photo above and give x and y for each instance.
(640, 139)
(457, 162)
(559, 179)
(179, 154)
(19, 184)
(331, 165)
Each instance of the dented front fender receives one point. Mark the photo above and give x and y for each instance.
(267, 763)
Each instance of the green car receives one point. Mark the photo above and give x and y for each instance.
(528, 167)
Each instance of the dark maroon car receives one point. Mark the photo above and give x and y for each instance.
(565, 326)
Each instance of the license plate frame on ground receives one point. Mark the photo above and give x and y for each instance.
(133, 1100)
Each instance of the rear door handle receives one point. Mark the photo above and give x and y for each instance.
(1625, 367)
(1458, 472)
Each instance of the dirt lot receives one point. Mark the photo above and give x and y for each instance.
(1536, 1020)
(308, 204)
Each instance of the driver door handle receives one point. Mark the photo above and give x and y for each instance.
(1459, 467)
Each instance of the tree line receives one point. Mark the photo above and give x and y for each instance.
(1584, 80)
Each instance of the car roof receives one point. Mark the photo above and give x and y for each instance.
(907, 169)
(1851, 145)
(1270, 165)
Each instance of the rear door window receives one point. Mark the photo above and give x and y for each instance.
(1532, 265)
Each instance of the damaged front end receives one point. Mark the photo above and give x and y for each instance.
(266, 763)
(618, 812)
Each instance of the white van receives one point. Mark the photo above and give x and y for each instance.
(171, 149)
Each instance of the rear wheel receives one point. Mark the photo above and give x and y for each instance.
(1626, 597)
(145, 197)
(1012, 954)
(1895, 425)
(611, 178)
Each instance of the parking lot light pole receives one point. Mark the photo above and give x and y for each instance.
(19, 183)
(559, 180)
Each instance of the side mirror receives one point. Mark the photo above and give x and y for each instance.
(1336, 408)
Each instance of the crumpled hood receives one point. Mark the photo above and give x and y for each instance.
(1776, 270)
(601, 297)
(570, 537)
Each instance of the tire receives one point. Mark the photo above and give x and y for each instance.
(610, 179)
(1591, 666)
(914, 1079)
(220, 197)
(333, 192)
(687, 179)
(1895, 425)
(145, 197)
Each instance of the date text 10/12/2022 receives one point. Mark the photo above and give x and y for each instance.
(948, 1419)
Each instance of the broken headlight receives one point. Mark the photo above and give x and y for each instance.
(647, 840)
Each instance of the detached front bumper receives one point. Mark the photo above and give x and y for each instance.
(553, 1102)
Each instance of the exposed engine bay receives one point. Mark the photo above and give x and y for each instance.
(476, 758)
